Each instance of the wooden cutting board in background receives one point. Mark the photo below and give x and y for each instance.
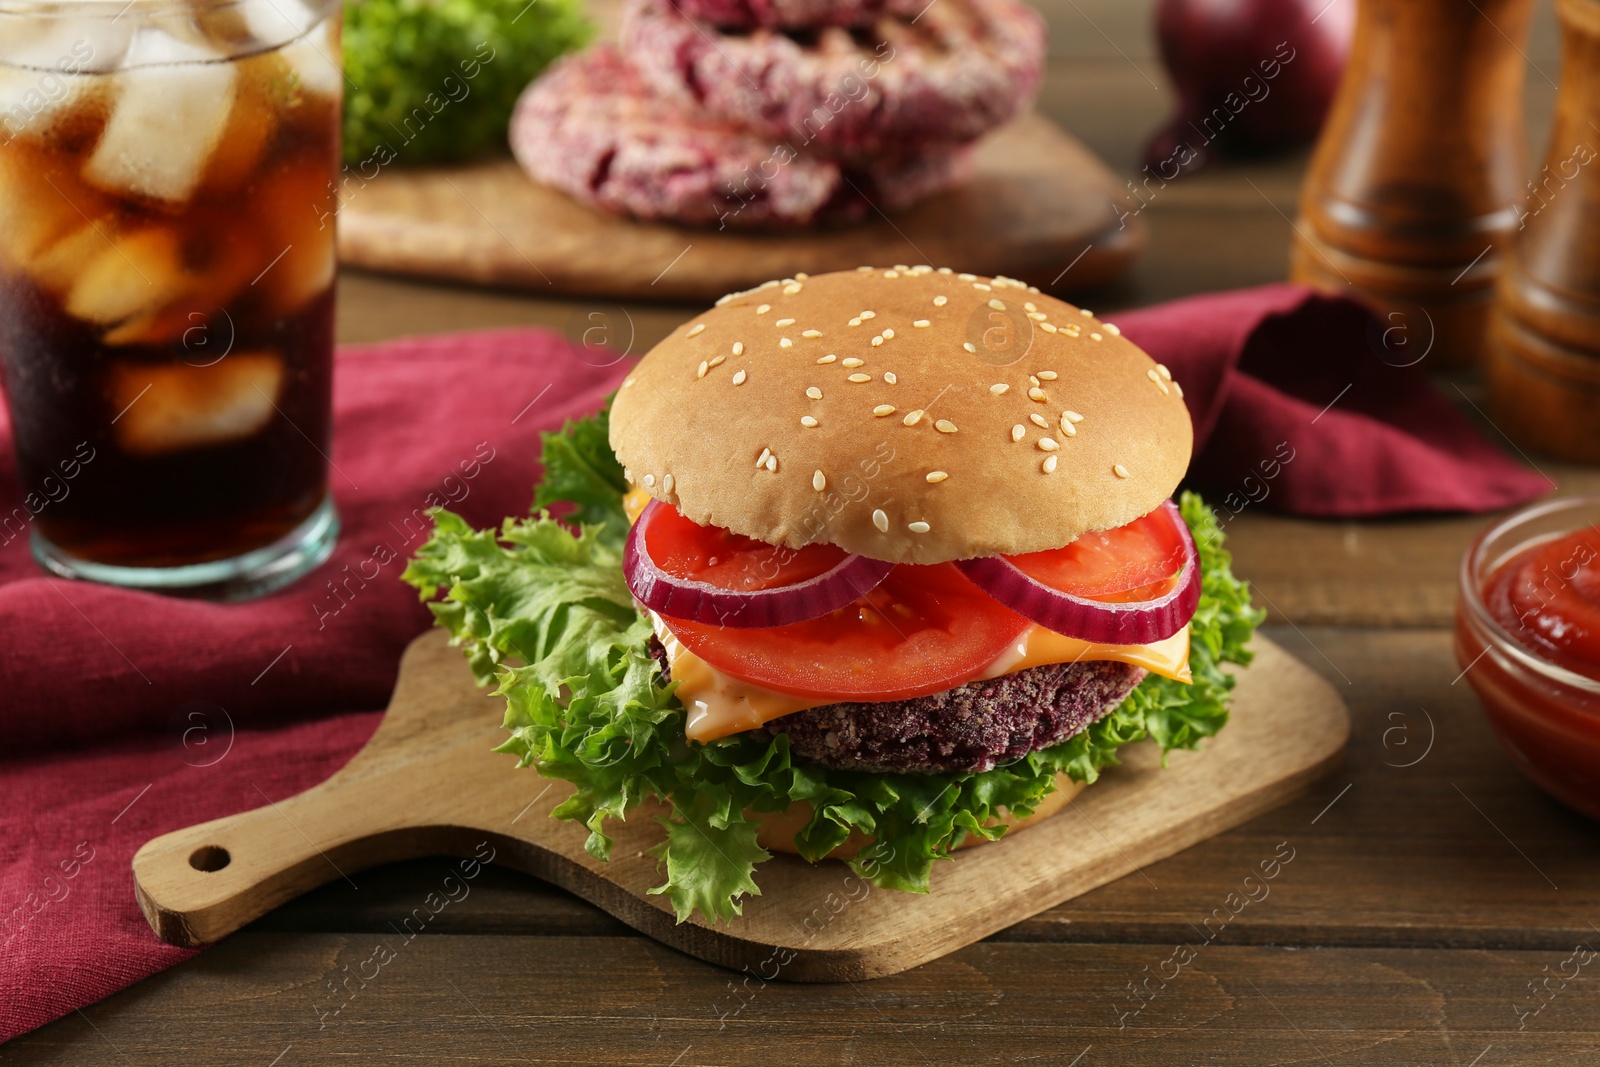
(428, 783)
(1041, 207)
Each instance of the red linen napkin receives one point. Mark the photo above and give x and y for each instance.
(1307, 403)
(125, 715)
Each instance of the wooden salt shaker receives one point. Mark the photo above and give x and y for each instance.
(1544, 357)
(1414, 187)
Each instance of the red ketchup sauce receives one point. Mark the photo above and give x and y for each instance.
(1546, 597)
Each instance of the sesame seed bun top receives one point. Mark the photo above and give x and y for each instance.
(907, 414)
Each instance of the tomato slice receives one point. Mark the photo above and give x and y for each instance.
(925, 629)
(722, 558)
(1132, 563)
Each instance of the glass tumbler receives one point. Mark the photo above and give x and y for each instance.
(167, 287)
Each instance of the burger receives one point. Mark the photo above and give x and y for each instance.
(868, 566)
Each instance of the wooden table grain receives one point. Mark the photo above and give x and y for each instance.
(1431, 889)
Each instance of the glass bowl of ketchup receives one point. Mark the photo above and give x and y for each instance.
(1527, 636)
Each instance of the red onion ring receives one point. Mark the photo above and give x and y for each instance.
(684, 598)
(1136, 623)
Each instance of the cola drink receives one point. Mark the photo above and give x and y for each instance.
(166, 288)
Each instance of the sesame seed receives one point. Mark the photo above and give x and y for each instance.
(985, 288)
(918, 527)
(1039, 421)
(763, 309)
(945, 270)
(1047, 375)
(791, 289)
(1096, 337)
(696, 330)
(1029, 305)
(852, 361)
(1152, 375)
(888, 334)
(891, 274)
(784, 322)
(921, 323)
(1112, 328)
(901, 266)
(969, 346)
(889, 377)
(800, 276)
(883, 409)
(819, 481)
(945, 426)
(1047, 327)
(738, 377)
(1047, 444)
(649, 480)
(1178, 389)
(877, 342)
(880, 520)
(856, 321)
(738, 348)
(1161, 369)
(967, 277)
(810, 333)
(935, 477)
(1086, 313)
(913, 418)
(940, 301)
(1033, 379)
(1119, 470)
(1036, 394)
(627, 382)
(1049, 465)
(784, 342)
(829, 358)
(1067, 429)
(814, 393)
(1072, 329)
(999, 388)
(701, 372)
(998, 305)
(859, 378)
(761, 460)
(772, 464)
(1037, 316)
(1018, 432)
(865, 270)
(1071, 416)
(717, 361)
(808, 421)
(869, 314)
(666, 483)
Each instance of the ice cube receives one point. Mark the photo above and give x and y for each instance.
(32, 215)
(58, 266)
(173, 407)
(315, 59)
(251, 124)
(65, 45)
(130, 274)
(276, 22)
(167, 119)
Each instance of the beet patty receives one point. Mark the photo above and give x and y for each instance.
(973, 727)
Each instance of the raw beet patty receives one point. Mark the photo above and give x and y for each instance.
(959, 70)
(973, 727)
(591, 127)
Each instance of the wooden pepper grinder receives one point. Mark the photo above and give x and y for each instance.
(1414, 187)
(1544, 357)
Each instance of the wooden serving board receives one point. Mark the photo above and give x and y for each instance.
(427, 783)
(1039, 200)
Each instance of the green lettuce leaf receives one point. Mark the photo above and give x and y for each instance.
(543, 608)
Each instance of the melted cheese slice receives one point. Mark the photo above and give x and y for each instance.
(720, 705)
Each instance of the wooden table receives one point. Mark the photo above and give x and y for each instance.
(1430, 883)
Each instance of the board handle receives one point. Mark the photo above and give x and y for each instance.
(201, 883)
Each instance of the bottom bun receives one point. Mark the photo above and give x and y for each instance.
(777, 829)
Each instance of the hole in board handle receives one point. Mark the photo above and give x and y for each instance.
(209, 858)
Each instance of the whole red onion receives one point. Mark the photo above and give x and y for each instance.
(1252, 76)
